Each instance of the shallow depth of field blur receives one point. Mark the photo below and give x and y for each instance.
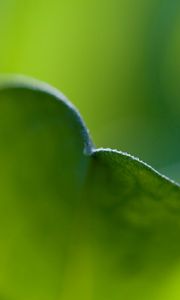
(118, 61)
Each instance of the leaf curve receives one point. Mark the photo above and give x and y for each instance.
(137, 212)
(77, 223)
(42, 141)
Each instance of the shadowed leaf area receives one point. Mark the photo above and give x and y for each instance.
(75, 222)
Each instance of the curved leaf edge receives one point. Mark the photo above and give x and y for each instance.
(20, 81)
(107, 152)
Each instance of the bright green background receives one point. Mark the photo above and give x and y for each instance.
(118, 61)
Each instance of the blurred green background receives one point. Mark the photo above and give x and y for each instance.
(118, 61)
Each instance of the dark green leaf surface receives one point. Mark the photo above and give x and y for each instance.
(75, 222)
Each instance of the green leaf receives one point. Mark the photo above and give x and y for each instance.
(136, 226)
(75, 222)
